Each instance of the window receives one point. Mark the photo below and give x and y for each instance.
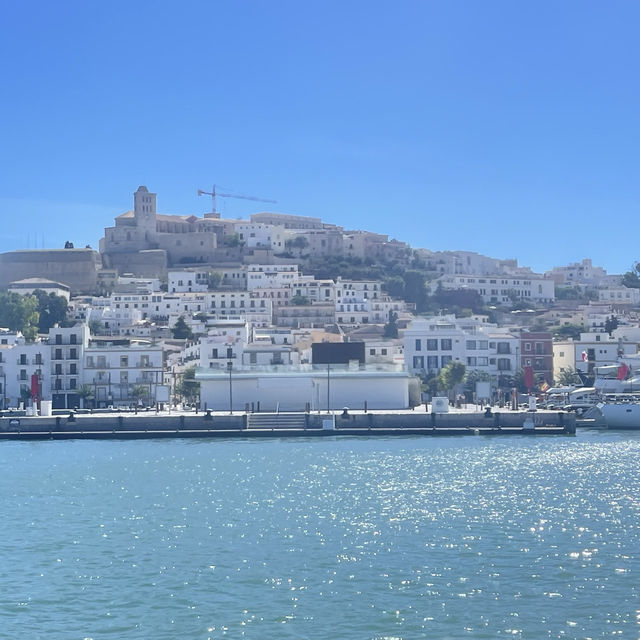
(72, 383)
(504, 364)
(124, 361)
(73, 339)
(432, 344)
(446, 345)
(23, 374)
(445, 360)
(372, 352)
(527, 346)
(58, 338)
(504, 347)
(471, 361)
(432, 363)
(382, 351)
(23, 358)
(483, 362)
(471, 344)
(483, 344)
(418, 362)
(73, 354)
(73, 368)
(418, 344)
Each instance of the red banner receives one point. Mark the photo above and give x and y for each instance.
(529, 380)
(35, 386)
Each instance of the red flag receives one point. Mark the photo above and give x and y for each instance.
(528, 378)
(623, 369)
(34, 386)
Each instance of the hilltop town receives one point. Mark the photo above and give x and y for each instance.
(172, 302)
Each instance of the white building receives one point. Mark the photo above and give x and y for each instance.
(275, 276)
(619, 295)
(122, 372)
(29, 285)
(295, 388)
(259, 235)
(431, 344)
(24, 368)
(67, 346)
(224, 343)
(582, 273)
(112, 321)
(187, 281)
(592, 350)
(500, 289)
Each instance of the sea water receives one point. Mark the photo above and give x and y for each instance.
(479, 537)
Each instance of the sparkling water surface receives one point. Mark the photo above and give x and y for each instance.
(479, 537)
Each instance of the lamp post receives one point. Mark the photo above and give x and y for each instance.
(328, 388)
(229, 369)
(3, 395)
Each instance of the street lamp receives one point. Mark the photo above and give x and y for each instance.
(328, 388)
(229, 369)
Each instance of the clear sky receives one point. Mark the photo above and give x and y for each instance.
(507, 128)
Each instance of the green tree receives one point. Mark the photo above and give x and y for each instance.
(139, 392)
(415, 289)
(52, 309)
(568, 331)
(298, 242)
(19, 313)
(391, 328)
(610, 325)
(95, 327)
(568, 377)
(181, 330)
(84, 392)
(215, 279)
(632, 278)
(233, 241)
(188, 388)
(472, 376)
(451, 375)
(394, 286)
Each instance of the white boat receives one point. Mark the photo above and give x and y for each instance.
(619, 415)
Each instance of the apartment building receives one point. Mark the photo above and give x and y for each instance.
(500, 289)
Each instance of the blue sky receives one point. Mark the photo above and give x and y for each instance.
(502, 127)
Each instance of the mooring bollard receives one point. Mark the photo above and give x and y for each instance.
(208, 416)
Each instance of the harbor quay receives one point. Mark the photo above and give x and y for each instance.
(191, 424)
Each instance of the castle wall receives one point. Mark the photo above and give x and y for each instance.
(77, 268)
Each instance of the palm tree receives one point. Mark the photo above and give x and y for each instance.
(85, 392)
(138, 392)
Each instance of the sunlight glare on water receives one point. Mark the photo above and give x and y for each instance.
(331, 538)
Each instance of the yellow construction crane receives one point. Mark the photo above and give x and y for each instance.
(213, 193)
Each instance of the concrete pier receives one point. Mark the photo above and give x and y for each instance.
(208, 424)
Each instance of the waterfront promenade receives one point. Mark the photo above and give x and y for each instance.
(189, 423)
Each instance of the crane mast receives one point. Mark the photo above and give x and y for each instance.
(213, 193)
